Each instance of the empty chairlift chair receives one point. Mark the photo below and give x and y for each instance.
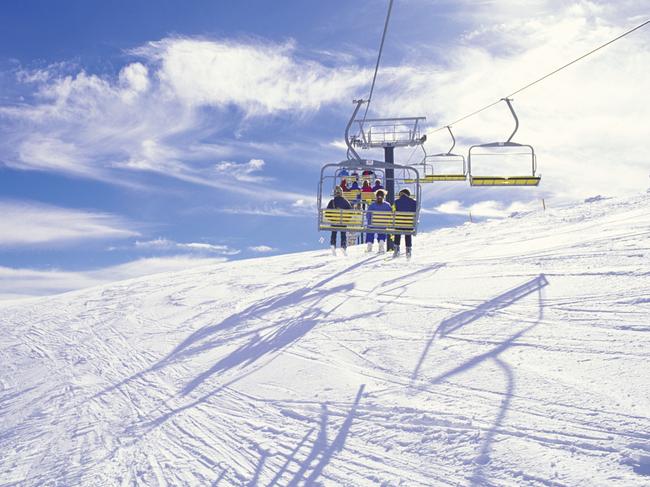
(445, 166)
(506, 153)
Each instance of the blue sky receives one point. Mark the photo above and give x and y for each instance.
(141, 136)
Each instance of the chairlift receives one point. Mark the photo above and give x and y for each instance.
(357, 219)
(445, 166)
(504, 152)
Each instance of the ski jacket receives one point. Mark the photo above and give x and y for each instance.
(366, 187)
(344, 185)
(354, 185)
(377, 186)
(339, 202)
(405, 203)
(377, 207)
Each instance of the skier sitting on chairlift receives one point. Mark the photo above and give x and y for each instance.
(404, 203)
(338, 202)
(354, 185)
(377, 185)
(366, 187)
(378, 205)
(344, 185)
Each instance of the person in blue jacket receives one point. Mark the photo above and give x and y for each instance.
(404, 203)
(378, 205)
(335, 203)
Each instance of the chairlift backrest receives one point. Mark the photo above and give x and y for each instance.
(505, 153)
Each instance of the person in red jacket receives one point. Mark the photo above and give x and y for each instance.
(366, 187)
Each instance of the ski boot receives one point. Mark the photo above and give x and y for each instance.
(369, 247)
(333, 247)
(381, 248)
(408, 253)
(395, 251)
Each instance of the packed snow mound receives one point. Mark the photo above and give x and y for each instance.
(511, 352)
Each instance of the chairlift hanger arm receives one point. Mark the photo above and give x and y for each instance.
(512, 110)
(453, 139)
(347, 129)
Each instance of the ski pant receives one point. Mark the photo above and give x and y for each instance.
(370, 237)
(344, 242)
(407, 240)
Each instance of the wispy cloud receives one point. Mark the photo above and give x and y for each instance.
(259, 78)
(152, 117)
(163, 244)
(489, 208)
(242, 171)
(31, 223)
(19, 283)
(261, 249)
(589, 136)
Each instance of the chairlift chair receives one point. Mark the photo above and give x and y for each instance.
(357, 220)
(445, 166)
(503, 150)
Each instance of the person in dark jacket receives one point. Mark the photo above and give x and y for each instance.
(339, 202)
(378, 205)
(404, 203)
(377, 185)
(355, 185)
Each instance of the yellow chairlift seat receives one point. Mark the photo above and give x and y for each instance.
(391, 221)
(340, 219)
(505, 181)
(500, 150)
(351, 195)
(445, 177)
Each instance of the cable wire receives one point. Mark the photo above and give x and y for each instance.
(543, 77)
(381, 48)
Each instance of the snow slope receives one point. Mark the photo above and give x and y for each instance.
(511, 352)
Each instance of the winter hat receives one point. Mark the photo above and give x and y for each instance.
(405, 191)
(338, 191)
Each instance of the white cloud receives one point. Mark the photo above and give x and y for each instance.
(169, 245)
(259, 78)
(16, 283)
(29, 223)
(257, 211)
(301, 207)
(587, 123)
(261, 249)
(490, 209)
(134, 79)
(152, 117)
(242, 171)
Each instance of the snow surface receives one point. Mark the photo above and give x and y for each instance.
(511, 352)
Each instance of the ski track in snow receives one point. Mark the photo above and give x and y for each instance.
(511, 352)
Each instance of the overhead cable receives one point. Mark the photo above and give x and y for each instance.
(381, 48)
(543, 77)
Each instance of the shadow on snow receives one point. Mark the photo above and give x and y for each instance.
(319, 456)
(460, 320)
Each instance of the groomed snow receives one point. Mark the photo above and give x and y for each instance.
(511, 352)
